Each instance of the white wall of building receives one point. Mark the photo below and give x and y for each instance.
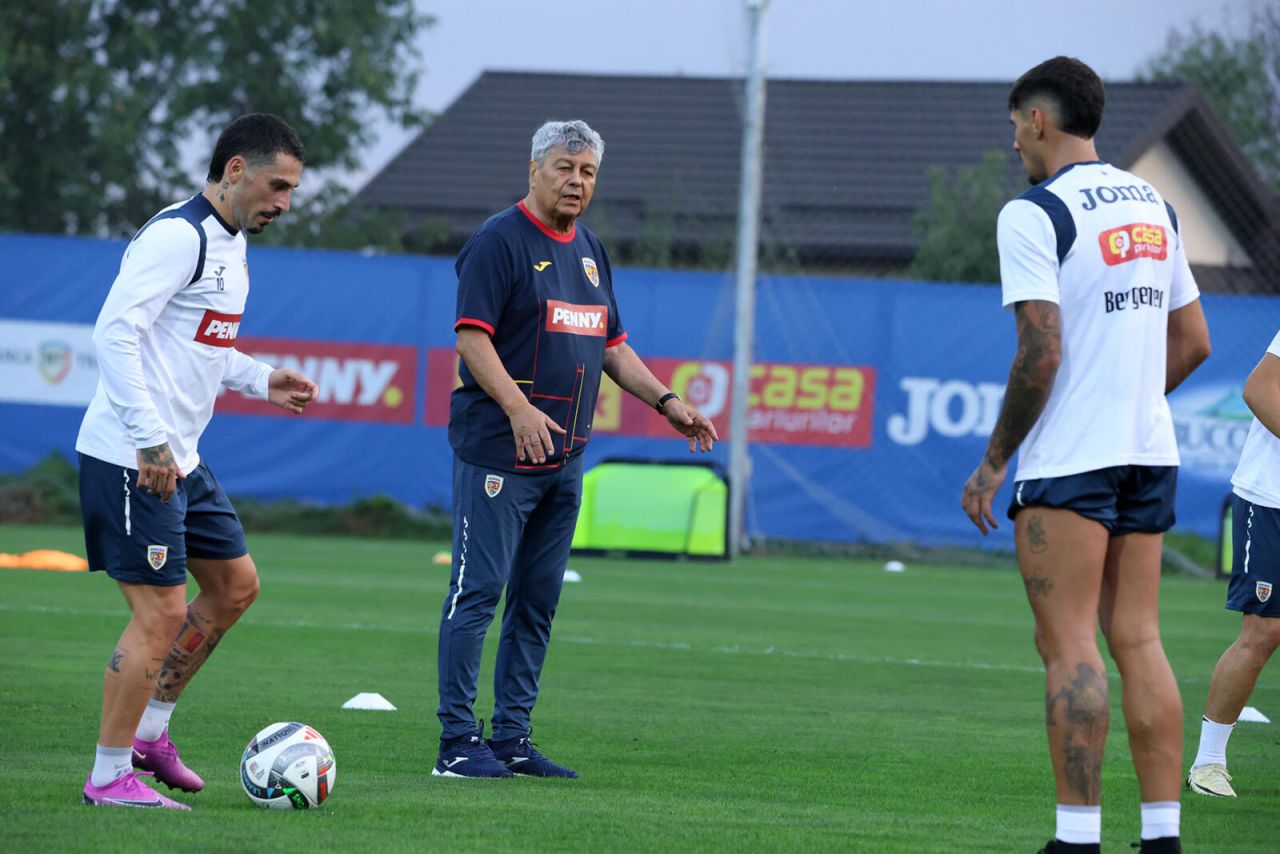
(1207, 238)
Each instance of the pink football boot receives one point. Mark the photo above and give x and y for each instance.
(161, 758)
(128, 791)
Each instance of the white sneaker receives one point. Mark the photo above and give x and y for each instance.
(1211, 780)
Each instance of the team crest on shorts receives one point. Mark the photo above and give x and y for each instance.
(157, 556)
(492, 485)
(593, 274)
(1263, 590)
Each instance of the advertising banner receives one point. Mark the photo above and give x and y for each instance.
(870, 400)
(788, 404)
(47, 363)
(358, 382)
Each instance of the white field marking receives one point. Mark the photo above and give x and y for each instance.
(738, 649)
(581, 640)
(248, 621)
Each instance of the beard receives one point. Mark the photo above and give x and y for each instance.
(256, 227)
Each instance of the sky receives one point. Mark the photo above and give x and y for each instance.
(834, 39)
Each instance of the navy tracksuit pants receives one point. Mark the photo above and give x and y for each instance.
(514, 532)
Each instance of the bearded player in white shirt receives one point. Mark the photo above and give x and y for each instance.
(1255, 574)
(1109, 321)
(165, 343)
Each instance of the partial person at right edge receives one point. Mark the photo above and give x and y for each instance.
(1255, 573)
(1109, 321)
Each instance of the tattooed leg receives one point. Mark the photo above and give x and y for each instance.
(1076, 715)
(227, 589)
(1061, 557)
(192, 647)
(1129, 614)
(134, 665)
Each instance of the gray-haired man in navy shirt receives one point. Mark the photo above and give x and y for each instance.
(537, 322)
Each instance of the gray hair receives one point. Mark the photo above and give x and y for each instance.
(573, 136)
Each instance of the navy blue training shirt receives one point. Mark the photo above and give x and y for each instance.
(546, 300)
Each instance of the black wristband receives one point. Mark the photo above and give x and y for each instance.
(671, 395)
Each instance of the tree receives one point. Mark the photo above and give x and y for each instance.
(329, 218)
(108, 108)
(1240, 77)
(958, 230)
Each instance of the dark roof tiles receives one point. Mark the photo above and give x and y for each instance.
(846, 162)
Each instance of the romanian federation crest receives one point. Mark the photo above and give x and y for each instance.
(157, 556)
(593, 274)
(1263, 589)
(492, 485)
(54, 361)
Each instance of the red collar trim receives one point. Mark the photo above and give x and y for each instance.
(544, 228)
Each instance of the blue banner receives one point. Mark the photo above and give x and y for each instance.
(871, 399)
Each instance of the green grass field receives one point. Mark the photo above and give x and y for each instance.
(770, 704)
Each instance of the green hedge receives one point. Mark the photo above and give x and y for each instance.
(48, 493)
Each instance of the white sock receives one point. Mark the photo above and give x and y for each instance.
(1213, 743)
(1079, 825)
(1160, 818)
(110, 764)
(155, 720)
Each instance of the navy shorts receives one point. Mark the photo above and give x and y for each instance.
(1125, 499)
(135, 537)
(1255, 559)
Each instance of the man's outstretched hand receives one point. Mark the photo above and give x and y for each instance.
(692, 423)
(291, 390)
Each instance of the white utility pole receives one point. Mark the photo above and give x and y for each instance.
(748, 238)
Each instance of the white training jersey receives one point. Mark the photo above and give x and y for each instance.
(165, 338)
(1257, 475)
(1102, 244)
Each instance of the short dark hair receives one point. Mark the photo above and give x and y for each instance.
(258, 138)
(1074, 89)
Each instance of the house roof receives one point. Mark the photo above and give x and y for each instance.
(846, 162)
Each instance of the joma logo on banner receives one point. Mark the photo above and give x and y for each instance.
(950, 408)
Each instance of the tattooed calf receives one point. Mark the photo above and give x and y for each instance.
(1077, 718)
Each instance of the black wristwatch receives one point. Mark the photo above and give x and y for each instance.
(662, 401)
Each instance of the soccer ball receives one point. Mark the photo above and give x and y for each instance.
(288, 766)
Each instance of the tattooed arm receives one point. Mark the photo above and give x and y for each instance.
(158, 472)
(1035, 366)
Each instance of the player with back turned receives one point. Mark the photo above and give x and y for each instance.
(1109, 321)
